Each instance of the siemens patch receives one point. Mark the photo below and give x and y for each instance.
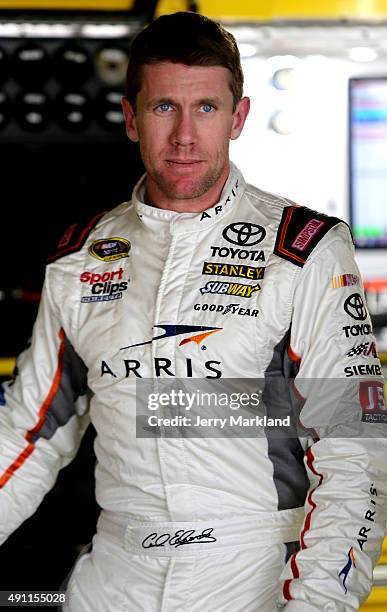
(363, 369)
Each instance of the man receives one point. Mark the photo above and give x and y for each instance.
(202, 276)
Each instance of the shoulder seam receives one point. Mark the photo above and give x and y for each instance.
(276, 200)
(300, 231)
(67, 248)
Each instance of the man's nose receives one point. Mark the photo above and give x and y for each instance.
(184, 132)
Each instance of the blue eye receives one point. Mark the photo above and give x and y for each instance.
(207, 108)
(164, 107)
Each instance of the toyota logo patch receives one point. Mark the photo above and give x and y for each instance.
(244, 234)
(354, 306)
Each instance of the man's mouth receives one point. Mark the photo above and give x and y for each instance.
(183, 162)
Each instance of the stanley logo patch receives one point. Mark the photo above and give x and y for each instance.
(241, 270)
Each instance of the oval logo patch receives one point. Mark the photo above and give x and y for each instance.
(110, 249)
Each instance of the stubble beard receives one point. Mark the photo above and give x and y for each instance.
(186, 189)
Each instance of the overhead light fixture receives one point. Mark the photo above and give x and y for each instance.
(247, 50)
(282, 122)
(66, 30)
(32, 110)
(284, 78)
(72, 64)
(48, 30)
(38, 30)
(111, 63)
(73, 110)
(31, 63)
(106, 30)
(362, 54)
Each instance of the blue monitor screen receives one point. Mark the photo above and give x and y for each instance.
(368, 161)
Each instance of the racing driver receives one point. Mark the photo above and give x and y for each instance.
(202, 276)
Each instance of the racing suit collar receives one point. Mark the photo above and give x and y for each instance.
(183, 222)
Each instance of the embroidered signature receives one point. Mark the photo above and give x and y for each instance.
(179, 538)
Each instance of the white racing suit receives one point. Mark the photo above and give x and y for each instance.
(253, 288)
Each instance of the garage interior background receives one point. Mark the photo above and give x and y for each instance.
(317, 75)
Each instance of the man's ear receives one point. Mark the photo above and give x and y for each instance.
(130, 120)
(240, 116)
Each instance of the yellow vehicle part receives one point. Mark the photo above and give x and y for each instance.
(7, 365)
(229, 9)
(96, 5)
(377, 601)
(294, 9)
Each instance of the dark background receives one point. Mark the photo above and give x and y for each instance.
(51, 177)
